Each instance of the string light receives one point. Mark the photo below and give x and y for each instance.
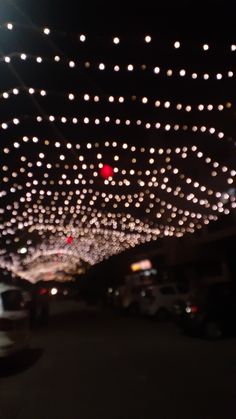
(105, 197)
(107, 119)
(130, 67)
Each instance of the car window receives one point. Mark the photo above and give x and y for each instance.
(167, 290)
(12, 300)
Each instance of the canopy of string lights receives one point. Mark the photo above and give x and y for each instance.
(108, 142)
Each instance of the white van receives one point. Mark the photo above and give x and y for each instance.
(158, 300)
(14, 321)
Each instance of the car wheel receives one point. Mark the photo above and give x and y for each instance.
(213, 330)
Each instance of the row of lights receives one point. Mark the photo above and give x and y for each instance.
(182, 152)
(125, 223)
(151, 181)
(115, 39)
(166, 104)
(116, 68)
(117, 121)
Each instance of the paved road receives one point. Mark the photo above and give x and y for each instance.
(92, 364)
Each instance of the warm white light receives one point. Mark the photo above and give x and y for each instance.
(39, 59)
(9, 26)
(116, 40)
(23, 250)
(54, 291)
(23, 56)
(148, 38)
(205, 47)
(46, 31)
(177, 44)
(156, 70)
(182, 73)
(82, 38)
(71, 64)
(101, 66)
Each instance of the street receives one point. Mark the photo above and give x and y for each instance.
(93, 363)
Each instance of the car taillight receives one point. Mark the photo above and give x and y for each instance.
(43, 291)
(192, 309)
(5, 325)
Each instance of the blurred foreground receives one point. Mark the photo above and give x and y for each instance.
(93, 363)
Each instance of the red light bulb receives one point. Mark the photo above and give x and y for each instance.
(69, 239)
(106, 171)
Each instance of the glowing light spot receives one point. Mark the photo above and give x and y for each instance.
(106, 171)
(82, 38)
(148, 39)
(177, 44)
(116, 40)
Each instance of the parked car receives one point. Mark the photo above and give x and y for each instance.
(14, 321)
(158, 300)
(211, 312)
(127, 298)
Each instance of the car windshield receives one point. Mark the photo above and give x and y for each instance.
(12, 300)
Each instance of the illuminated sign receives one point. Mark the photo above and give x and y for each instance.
(141, 265)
